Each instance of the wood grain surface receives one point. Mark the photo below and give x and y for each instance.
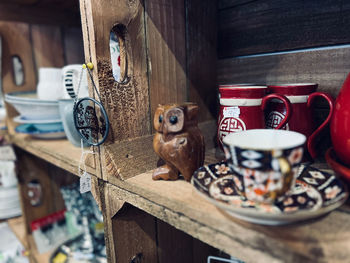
(201, 38)
(125, 159)
(47, 46)
(166, 50)
(51, 12)
(60, 153)
(127, 104)
(73, 45)
(16, 41)
(328, 68)
(321, 240)
(129, 223)
(250, 27)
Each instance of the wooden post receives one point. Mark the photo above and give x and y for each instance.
(164, 46)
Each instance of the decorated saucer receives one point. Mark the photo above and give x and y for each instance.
(314, 194)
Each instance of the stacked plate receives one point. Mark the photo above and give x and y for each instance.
(38, 118)
(9, 202)
(9, 196)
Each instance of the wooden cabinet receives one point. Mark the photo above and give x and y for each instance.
(175, 51)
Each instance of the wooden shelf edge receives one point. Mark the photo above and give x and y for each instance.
(57, 152)
(176, 203)
(18, 228)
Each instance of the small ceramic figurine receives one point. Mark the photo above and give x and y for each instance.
(178, 141)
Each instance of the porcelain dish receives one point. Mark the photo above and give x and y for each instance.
(30, 107)
(9, 202)
(42, 131)
(315, 193)
(24, 120)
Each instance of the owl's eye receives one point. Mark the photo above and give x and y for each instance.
(160, 118)
(173, 120)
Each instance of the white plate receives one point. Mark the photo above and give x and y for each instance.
(316, 193)
(2, 113)
(30, 107)
(8, 192)
(9, 204)
(24, 120)
(10, 213)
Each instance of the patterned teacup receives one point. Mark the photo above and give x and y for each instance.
(266, 162)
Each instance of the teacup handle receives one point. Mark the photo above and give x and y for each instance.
(287, 173)
(287, 104)
(311, 140)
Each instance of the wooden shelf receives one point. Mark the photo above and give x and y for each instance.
(60, 12)
(175, 202)
(18, 228)
(58, 152)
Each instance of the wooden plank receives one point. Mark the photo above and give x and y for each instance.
(17, 225)
(47, 46)
(73, 45)
(128, 158)
(232, 3)
(201, 252)
(328, 68)
(127, 104)
(177, 204)
(60, 153)
(44, 12)
(16, 42)
(166, 48)
(35, 256)
(110, 206)
(201, 38)
(129, 223)
(32, 168)
(267, 26)
(173, 245)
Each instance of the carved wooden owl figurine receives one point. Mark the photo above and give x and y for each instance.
(178, 141)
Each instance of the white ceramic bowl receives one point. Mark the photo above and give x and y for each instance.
(32, 108)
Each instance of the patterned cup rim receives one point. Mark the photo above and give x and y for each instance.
(265, 139)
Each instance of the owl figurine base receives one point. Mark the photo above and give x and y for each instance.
(178, 141)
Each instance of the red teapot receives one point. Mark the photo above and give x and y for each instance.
(340, 124)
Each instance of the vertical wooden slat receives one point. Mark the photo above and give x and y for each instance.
(32, 168)
(16, 42)
(166, 49)
(134, 235)
(73, 45)
(173, 245)
(202, 56)
(47, 46)
(127, 104)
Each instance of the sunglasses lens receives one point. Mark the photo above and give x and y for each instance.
(91, 121)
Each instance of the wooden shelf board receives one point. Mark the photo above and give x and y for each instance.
(176, 203)
(58, 152)
(35, 255)
(18, 227)
(41, 12)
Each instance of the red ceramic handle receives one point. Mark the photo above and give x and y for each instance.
(311, 140)
(286, 103)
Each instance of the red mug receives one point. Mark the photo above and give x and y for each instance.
(242, 108)
(301, 96)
